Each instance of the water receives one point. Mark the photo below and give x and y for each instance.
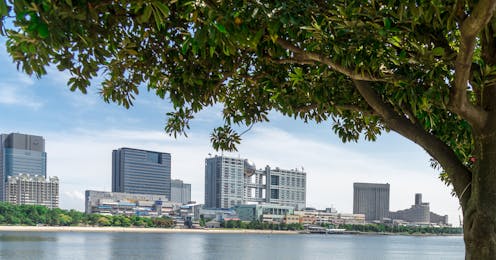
(81, 245)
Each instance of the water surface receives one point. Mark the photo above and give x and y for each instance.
(86, 245)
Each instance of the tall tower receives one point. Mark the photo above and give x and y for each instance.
(418, 198)
(224, 182)
(371, 199)
(21, 154)
(141, 171)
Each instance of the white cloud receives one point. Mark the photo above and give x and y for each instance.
(19, 94)
(74, 194)
(82, 160)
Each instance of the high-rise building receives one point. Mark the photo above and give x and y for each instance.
(141, 171)
(234, 181)
(371, 199)
(180, 191)
(21, 154)
(224, 182)
(24, 189)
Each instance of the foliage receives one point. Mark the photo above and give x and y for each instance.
(259, 225)
(31, 215)
(424, 69)
(403, 229)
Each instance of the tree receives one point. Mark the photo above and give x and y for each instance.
(424, 69)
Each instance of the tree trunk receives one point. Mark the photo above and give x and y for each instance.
(479, 213)
(479, 236)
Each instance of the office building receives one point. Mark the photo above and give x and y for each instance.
(141, 172)
(234, 181)
(180, 191)
(120, 203)
(270, 213)
(419, 213)
(21, 154)
(24, 189)
(371, 199)
(276, 186)
(224, 182)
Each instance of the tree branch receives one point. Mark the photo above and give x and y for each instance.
(458, 173)
(354, 108)
(470, 28)
(325, 60)
(293, 61)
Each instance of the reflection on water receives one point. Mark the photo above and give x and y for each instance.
(80, 245)
(16, 237)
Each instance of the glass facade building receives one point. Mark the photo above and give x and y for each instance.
(21, 154)
(141, 171)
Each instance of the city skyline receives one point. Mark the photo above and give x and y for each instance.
(70, 120)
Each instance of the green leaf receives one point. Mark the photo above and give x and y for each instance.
(147, 12)
(42, 30)
(4, 10)
(438, 51)
(221, 28)
(164, 9)
(387, 23)
(395, 40)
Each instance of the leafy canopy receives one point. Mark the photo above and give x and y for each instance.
(300, 58)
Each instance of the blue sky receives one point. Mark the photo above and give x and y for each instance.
(81, 130)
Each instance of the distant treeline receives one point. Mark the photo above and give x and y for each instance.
(31, 215)
(259, 225)
(402, 229)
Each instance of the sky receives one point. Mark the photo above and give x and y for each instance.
(81, 131)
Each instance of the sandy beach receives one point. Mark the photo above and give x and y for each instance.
(139, 230)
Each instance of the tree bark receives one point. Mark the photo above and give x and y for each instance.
(479, 214)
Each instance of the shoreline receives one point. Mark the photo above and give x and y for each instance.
(198, 231)
(139, 230)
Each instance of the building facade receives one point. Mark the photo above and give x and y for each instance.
(419, 213)
(271, 213)
(277, 186)
(24, 189)
(21, 154)
(180, 191)
(141, 172)
(120, 203)
(371, 199)
(234, 181)
(224, 182)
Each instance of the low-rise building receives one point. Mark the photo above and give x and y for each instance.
(291, 219)
(419, 214)
(218, 214)
(263, 212)
(120, 203)
(329, 216)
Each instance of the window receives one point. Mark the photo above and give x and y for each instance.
(274, 194)
(274, 180)
(153, 157)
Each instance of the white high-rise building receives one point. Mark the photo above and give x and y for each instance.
(24, 189)
(224, 182)
(235, 181)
